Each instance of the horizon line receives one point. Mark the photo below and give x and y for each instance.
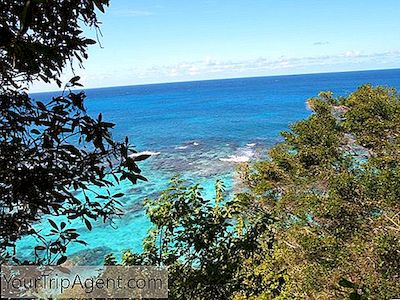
(218, 79)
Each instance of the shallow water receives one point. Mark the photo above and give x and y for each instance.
(200, 129)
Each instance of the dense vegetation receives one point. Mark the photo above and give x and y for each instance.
(52, 151)
(320, 219)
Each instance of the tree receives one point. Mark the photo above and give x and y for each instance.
(202, 242)
(51, 151)
(319, 219)
(333, 184)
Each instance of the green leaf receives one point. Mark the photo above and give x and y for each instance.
(141, 177)
(62, 260)
(88, 225)
(53, 224)
(90, 42)
(345, 283)
(141, 157)
(41, 105)
(75, 79)
(35, 131)
(355, 296)
(99, 5)
(26, 16)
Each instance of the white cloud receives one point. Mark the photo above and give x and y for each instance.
(263, 64)
(352, 53)
(321, 43)
(211, 68)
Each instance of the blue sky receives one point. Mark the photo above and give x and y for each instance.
(164, 41)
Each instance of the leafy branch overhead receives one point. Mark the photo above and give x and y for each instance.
(40, 37)
(55, 159)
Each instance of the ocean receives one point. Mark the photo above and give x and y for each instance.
(200, 130)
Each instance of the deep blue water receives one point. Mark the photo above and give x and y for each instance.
(200, 129)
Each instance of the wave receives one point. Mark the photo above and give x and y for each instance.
(236, 158)
(181, 147)
(187, 145)
(243, 154)
(151, 153)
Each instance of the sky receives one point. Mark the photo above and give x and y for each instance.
(155, 41)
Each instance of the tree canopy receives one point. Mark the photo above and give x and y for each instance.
(55, 159)
(319, 219)
(39, 37)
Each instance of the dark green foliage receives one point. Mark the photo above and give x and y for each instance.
(320, 219)
(52, 151)
(374, 118)
(39, 37)
(334, 183)
(203, 243)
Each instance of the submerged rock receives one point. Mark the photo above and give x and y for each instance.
(89, 257)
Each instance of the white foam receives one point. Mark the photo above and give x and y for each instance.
(195, 144)
(251, 145)
(236, 158)
(181, 147)
(151, 153)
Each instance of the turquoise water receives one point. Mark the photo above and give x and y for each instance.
(200, 130)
